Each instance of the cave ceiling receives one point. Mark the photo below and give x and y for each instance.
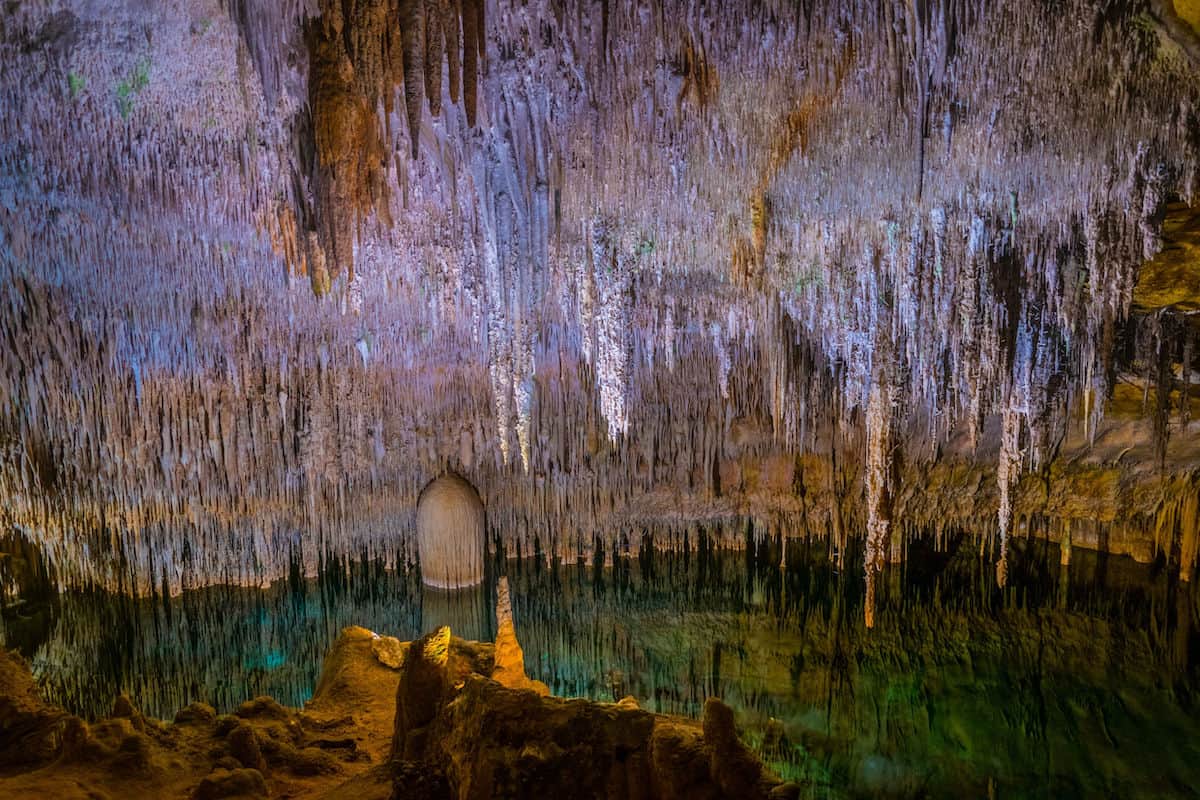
(266, 268)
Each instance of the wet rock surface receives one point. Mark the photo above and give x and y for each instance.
(389, 650)
(482, 739)
(455, 733)
(31, 732)
(264, 750)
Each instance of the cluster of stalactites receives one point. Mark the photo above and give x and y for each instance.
(880, 204)
(966, 345)
(935, 272)
(610, 274)
(359, 53)
(511, 366)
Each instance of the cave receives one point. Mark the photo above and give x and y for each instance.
(599, 398)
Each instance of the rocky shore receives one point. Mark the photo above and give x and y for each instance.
(437, 718)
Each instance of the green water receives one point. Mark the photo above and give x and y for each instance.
(1071, 682)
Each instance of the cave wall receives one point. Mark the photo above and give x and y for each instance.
(268, 268)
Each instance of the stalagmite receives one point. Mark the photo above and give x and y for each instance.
(510, 659)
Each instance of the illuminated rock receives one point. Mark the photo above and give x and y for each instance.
(460, 734)
(450, 533)
(389, 650)
(509, 669)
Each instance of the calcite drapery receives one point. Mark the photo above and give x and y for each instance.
(978, 181)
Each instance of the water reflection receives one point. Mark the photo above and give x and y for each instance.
(1073, 681)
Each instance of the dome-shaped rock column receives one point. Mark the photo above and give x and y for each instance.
(450, 533)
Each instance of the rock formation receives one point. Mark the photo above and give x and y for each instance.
(508, 668)
(31, 732)
(450, 531)
(461, 734)
(457, 733)
(287, 260)
(389, 650)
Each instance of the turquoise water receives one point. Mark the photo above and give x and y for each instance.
(1072, 682)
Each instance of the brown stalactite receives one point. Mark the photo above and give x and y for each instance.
(481, 34)
(348, 149)
(394, 50)
(451, 18)
(434, 50)
(358, 54)
(412, 26)
(470, 46)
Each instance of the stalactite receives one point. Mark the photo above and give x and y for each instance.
(357, 53)
(1006, 475)
(471, 36)
(557, 279)
(878, 488)
(610, 268)
(451, 27)
(434, 51)
(413, 33)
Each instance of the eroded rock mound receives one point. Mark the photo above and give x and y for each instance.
(441, 726)
(31, 732)
(262, 750)
(461, 734)
(389, 650)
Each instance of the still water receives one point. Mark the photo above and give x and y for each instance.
(1076, 681)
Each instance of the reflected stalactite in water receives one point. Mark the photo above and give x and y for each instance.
(779, 636)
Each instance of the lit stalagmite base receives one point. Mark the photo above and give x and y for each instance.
(450, 533)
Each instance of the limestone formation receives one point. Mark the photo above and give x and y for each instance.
(509, 668)
(455, 733)
(389, 650)
(265, 268)
(31, 732)
(459, 734)
(450, 530)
